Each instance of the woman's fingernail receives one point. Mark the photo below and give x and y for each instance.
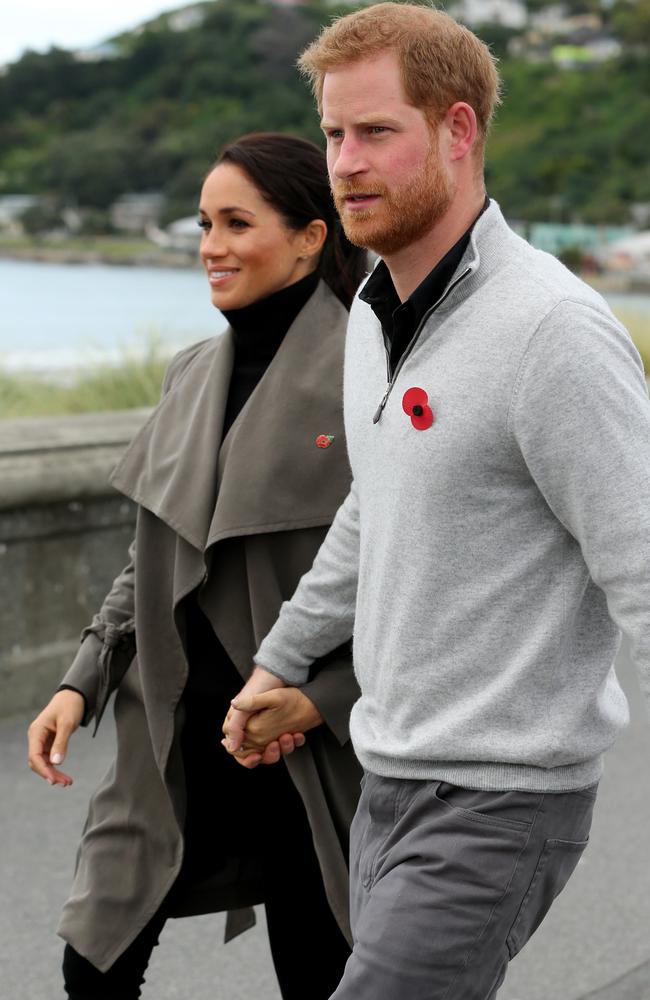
(49, 781)
(56, 758)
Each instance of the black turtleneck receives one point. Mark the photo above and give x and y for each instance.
(258, 330)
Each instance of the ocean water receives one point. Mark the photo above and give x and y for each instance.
(58, 317)
(55, 317)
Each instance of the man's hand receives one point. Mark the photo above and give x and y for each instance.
(49, 733)
(286, 710)
(276, 726)
(259, 682)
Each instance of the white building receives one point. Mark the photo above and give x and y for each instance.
(12, 207)
(630, 255)
(182, 234)
(509, 13)
(134, 213)
(187, 17)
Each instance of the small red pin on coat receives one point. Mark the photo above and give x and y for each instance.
(415, 404)
(324, 440)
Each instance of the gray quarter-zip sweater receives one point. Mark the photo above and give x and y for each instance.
(486, 563)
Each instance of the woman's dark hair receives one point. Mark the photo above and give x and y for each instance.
(291, 173)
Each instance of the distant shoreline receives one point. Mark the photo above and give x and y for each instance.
(74, 255)
(124, 254)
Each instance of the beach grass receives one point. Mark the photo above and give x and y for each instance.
(132, 382)
(639, 329)
(135, 380)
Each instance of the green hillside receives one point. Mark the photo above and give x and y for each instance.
(567, 143)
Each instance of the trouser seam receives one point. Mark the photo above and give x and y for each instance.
(488, 920)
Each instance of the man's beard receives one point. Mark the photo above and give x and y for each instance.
(403, 215)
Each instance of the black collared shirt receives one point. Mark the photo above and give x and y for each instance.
(400, 320)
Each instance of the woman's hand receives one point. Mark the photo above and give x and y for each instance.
(49, 733)
(236, 721)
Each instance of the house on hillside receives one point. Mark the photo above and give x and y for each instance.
(508, 13)
(186, 18)
(629, 256)
(556, 237)
(569, 40)
(97, 53)
(136, 212)
(12, 207)
(182, 235)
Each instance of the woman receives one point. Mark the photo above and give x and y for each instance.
(237, 475)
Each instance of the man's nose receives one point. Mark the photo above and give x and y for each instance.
(349, 158)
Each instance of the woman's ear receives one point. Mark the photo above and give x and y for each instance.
(313, 237)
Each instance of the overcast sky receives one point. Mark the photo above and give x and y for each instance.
(71, 24)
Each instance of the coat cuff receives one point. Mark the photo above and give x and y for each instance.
(83, 675)
(334, 690)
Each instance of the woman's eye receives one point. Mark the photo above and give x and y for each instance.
(203, 224)
(238, 224)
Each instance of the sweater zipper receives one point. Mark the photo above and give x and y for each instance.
(411, 345)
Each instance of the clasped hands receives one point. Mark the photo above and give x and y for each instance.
(267, 720)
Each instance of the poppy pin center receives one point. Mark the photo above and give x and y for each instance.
(415, 403)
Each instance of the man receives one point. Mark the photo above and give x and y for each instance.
(495, 538)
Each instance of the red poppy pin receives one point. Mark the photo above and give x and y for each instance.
(324, 440)
(415, 403)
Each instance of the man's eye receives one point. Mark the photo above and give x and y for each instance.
(377, 129)
(335, 134)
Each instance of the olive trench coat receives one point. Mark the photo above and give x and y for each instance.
(242, 520)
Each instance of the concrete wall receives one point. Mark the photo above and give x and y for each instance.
(63, 538)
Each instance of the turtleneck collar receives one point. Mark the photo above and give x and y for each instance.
(260, 327)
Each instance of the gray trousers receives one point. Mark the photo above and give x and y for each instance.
(447, 884)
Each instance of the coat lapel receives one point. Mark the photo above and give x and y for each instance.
(272, 475)
(269, 474)
(170, 466)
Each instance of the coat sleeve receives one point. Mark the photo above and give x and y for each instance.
(334, 690)
(320, 615)
(108, 643)
(107, 646)
(581, 417)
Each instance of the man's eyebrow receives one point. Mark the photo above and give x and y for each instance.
(367, 121)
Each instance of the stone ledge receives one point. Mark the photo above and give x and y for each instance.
(52, 459)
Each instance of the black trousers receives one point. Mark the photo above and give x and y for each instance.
(302, 930)
(302, 933)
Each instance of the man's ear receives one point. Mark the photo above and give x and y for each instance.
(462, 130)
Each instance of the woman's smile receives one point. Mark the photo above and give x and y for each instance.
(219, 276)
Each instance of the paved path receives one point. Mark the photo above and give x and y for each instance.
(595, 945)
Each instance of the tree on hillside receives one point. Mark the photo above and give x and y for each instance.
(89, 169)
(631, 21)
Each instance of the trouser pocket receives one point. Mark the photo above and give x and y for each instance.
(555, 866)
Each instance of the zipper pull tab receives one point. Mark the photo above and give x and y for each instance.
(380, 408)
